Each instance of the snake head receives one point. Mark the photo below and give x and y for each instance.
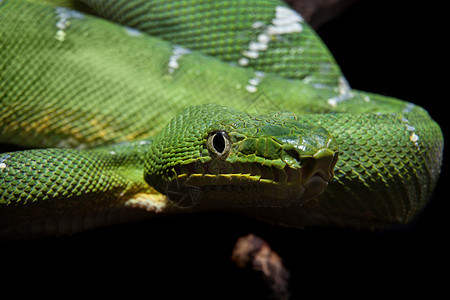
(214, 156)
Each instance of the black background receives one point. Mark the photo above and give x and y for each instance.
(394, 48)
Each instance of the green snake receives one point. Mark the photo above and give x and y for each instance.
(123, 110)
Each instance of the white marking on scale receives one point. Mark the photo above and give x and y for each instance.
(263, 39)
(3, 161)
(413, 137)
(258, 24)
(177, 53)
(258, 46)
(319, 86)
(133, 32)
(64, 14)
(409, 107)
(286, 21)
(253, 83)
(251, 54)
(345, 92)
(243, 62)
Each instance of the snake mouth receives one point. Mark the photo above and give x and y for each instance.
(318, 172)
(315, 175)
(222, 184)
(315, 185)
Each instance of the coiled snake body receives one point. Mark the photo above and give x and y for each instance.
(195, 105)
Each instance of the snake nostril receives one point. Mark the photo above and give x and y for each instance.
(294, 154)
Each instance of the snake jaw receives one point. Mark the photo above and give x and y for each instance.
(219, 183)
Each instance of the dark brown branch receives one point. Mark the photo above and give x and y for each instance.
(254, 253)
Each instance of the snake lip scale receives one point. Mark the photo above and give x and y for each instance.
(293, 185)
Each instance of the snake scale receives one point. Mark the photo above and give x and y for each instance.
(122, 110)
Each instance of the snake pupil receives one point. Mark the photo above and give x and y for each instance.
(219, 142)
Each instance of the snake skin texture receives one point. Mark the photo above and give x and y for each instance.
(100, 95)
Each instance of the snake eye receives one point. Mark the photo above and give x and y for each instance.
(219, 143)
